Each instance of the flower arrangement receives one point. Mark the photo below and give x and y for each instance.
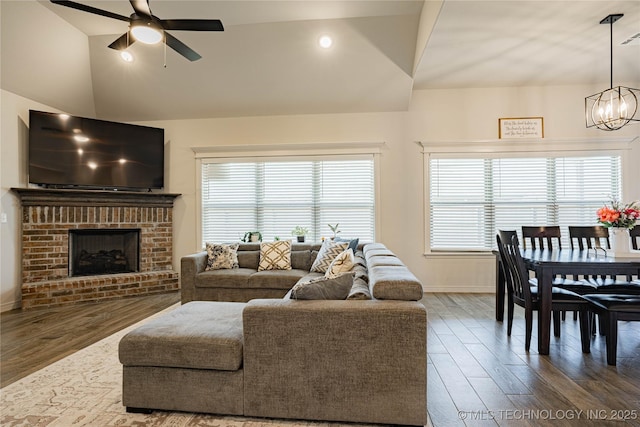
(619, 215)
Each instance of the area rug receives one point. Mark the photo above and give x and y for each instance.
(85, 389)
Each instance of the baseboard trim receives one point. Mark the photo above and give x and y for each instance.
(8, 306)
(460, 289)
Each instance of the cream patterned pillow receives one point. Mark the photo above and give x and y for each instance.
(328, 252)
(343, 263)
(275, 255)
(221, 256)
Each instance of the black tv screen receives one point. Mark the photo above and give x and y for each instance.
(67, 151)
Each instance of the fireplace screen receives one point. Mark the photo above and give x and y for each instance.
(103, 251)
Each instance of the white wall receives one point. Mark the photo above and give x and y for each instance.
(36, 68)
(33, 64)
(14, 137)
(469, 117)
(463, 116)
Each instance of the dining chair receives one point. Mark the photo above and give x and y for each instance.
(522, 293)
(592, 237)
(548, 237)
(612, 308)
(634, 233)
(589, 237)
(541, 237)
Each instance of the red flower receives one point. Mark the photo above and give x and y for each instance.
(618, 215)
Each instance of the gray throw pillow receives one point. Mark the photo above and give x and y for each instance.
(353, 243)
(323, 288)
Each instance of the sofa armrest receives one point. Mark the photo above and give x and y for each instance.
(190, 265)
(355, 361)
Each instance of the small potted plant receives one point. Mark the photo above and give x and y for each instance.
(252, 236)
(300, 233)
(335, 230)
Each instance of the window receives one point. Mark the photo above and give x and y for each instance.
(274, 196)
(471, 198)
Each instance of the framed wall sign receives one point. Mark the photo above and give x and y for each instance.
(521, 127)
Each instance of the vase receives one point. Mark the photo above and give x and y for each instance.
(620, 242)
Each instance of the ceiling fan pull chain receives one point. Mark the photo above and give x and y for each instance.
(165, 51)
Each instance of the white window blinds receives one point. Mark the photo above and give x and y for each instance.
(471, 198)
(274, 197)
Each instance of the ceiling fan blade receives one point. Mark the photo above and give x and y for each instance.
(141, 7)
(90, 9)
(192, 24)
(123, 42)
(180, 47)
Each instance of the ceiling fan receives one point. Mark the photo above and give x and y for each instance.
(147, 28)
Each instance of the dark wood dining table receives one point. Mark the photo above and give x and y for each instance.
(547, 264)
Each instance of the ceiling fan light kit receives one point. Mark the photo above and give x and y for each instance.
(148, 28)
(146, 33)
(613, 108)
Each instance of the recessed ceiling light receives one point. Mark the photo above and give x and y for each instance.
(92, 165)
(325, 42)
(126, 56)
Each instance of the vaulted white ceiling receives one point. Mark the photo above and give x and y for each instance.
(268, 62)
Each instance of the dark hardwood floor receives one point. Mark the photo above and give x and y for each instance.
(476, 374)
(32, 339)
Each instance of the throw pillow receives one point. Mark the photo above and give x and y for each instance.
(353, 243)
(275, 255)
(221, 256)
(323, 288)
(341, 264)
(328, 252)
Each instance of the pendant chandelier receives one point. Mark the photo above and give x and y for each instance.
(616, 106)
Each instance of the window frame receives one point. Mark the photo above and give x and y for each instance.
(521, 148)
(287, 152)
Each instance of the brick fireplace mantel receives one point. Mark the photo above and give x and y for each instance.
(48, 215)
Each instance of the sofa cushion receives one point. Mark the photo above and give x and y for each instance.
(341, 264)
(231, 278)
(359, 290)
(301, 260)
(275, 255)
(275, 279)
(380, 260)
(394, 282)
(377, 252)
(327, 253)
(197, 335)
(336, 288)
(221, 256)
(249, 259)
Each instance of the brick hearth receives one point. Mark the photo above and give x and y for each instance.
(47, 217)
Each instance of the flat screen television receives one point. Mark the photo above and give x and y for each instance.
(67, 152)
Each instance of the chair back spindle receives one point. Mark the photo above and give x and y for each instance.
(589, 237)
(544, 237)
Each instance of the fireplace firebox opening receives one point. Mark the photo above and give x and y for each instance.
(103, 251)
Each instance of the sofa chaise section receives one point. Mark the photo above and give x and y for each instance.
(354, 361)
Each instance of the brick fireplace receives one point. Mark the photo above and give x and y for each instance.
(105, 228)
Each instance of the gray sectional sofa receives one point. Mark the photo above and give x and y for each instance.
(358, 360)
(246, 282)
